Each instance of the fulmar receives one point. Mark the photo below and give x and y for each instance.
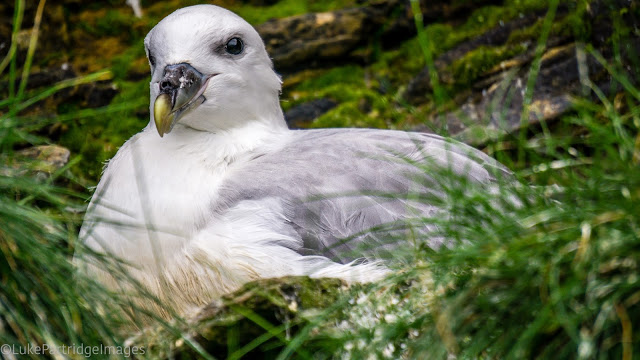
(217, 191)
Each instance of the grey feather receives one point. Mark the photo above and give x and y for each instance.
(335, 185)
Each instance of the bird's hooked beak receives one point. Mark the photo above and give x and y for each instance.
(181, 90)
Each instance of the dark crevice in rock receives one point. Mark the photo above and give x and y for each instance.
(301, 116)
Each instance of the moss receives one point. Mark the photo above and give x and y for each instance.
(341, 84)
(107, 38)
(564, 27)
(571, 25)
(526, 35)
(575, 23)
(485, 18)
(259, 14)
(133, 59)
(103, 22)
(98, 138)
(400, 65)
(229, 325)
(345, 75)
(349, 115)
(114, 23)
(360, 104)
(439, 37)
(392, 70)
(445, 36)
(473, 64)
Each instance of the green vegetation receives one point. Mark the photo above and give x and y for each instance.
(394, 68)
(361, 103)
(42, 301)
(477, 62)
(545, 269)
(98, 135)
(257, 15)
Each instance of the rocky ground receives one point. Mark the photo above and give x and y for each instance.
(344, 64)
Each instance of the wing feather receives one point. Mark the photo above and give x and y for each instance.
(336, 184)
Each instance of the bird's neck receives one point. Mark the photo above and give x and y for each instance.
(275, 119)
(262, 114)
(230, 143)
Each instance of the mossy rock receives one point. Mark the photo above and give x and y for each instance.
(257, 320)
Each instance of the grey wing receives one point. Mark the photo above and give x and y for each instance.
(349, 193)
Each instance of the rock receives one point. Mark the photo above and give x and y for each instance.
(498, 109)
(490, 102)
(322, 38)
(329, 38)
(49, 157)
(420, 85)
(301, 116)
(46, 77)
(99, 94)
(38, 161)
(50, 76)
(91, 95)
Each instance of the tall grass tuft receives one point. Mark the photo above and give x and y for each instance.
(47, 307)
(43, 303)
(547, 267)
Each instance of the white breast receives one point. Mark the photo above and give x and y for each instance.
(152, 192)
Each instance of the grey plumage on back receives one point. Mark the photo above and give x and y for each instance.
(347, 194)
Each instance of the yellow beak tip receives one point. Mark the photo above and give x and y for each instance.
(162, 114)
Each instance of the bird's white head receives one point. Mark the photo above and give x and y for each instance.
(210, 71)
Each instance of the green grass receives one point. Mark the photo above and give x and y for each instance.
(46, 306)
(554, 276)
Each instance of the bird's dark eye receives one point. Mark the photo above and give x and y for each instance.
(234, 46)
(152, 60)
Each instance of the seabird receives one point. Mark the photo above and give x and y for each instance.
(216, 191)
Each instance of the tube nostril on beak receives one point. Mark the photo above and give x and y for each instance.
(166, 86)
(179, 76)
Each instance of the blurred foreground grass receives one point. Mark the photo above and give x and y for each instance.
(555, 277)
